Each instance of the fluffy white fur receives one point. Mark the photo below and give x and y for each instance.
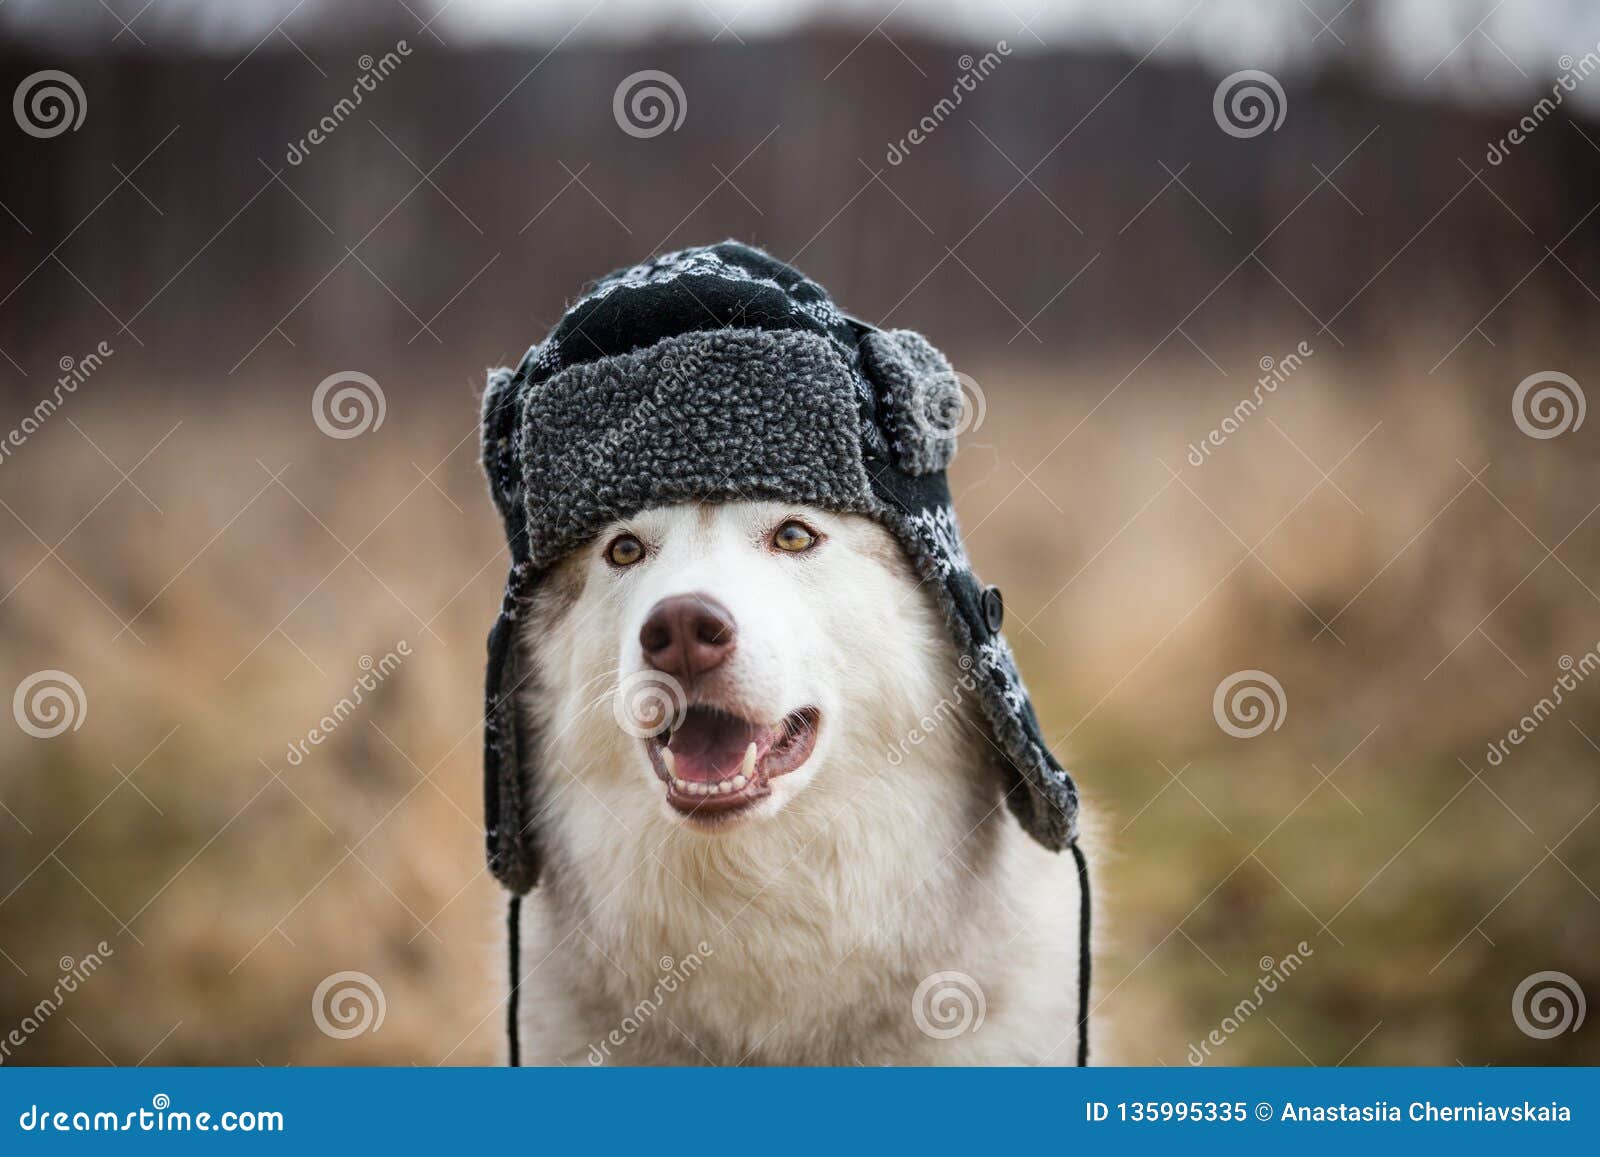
(800, 934)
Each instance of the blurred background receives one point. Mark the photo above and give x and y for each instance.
(1276, 382)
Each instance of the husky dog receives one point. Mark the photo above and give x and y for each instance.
(814, 865)
(758, 761)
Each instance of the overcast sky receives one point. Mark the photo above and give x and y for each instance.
(1464, 46)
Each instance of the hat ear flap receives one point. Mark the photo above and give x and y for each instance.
(507, 805)
(499, 420)
(919, 398)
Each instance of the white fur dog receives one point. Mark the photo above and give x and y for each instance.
(815, 865)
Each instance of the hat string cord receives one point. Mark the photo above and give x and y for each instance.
(514, 962)
(1084, 956)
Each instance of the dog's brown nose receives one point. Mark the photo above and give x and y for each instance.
(688, 635)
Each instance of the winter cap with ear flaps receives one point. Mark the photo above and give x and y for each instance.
(721, 374)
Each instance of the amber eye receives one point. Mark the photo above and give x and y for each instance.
(625, 550)
(794, 537)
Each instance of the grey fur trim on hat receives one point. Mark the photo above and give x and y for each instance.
(690, 419)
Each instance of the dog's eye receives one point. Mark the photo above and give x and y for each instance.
(625, 550)
(793, 537)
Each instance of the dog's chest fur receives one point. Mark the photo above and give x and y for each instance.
(805, 941)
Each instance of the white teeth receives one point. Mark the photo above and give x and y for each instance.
(691, 787)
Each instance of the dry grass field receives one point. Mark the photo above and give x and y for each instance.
(1383, 541)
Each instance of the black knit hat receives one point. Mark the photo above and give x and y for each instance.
(646, 391)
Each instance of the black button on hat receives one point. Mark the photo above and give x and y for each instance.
(994, 609)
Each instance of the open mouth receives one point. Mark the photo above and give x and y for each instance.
(714, 763)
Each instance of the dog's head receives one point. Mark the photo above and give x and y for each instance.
(712, 661)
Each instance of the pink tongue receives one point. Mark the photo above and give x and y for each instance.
(709, 746)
